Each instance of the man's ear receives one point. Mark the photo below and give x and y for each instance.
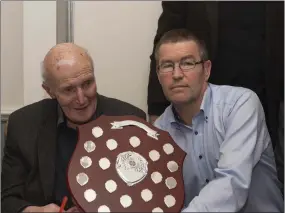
(48, 90)
(207, 68)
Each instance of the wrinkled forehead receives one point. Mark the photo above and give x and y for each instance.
(69, 62)
(178, 50)
(67, 54)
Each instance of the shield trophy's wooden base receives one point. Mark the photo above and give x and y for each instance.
(124, 164)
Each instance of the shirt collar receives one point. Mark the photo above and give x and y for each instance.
(206, 102)
(61, 117)
(205, 107)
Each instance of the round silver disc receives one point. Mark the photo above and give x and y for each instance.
(82, 179)
(157, 209)
(135, 141)
(111, 186)
(168, 148)
(111, 144)
(169, 201)
(104, 163)
(97, 132)
(85, 162)
(89, 146)
(90, 195)
(156, 177)
(154, 155)
(172, 166)
(170, 182)
(103, 208)
(146, 195)
(126, 201)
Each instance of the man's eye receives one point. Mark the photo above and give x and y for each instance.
(68, 89)
(188, 63)
(166, 65)
(87, 83)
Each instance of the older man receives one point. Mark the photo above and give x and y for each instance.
(41, 137)
(230, 164)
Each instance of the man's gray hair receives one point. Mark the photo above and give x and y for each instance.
(43, 72)
(180, 35)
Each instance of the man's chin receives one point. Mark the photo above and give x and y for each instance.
(80, 121)
(82, 117)
(179, 100)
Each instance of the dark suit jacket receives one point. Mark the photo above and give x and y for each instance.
(202, 18)
(28, 165)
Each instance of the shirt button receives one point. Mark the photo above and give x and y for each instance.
(196, 133)
(206, 117)
(200, 156)
(207, 181)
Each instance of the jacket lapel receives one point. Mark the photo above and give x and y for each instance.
(47, 148)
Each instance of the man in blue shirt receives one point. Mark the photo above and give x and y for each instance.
(230, 164)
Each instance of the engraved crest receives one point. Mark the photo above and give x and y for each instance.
(131, 167)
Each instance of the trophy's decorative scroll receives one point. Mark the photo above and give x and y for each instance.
(125, 164)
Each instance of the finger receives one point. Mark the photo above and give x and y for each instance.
(73, 209)
(53, 208)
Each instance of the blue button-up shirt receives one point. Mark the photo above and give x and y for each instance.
(229, 166)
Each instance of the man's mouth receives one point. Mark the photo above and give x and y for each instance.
(81, 108)
(178, 86)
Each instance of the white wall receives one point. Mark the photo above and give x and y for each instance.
(119, 35)
(12, 95)
(28, 31)
(39, 36)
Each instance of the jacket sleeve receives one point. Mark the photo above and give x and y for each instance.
(173, 16)
(14, 173)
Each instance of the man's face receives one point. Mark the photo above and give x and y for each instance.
(181, 86)
(74, 86)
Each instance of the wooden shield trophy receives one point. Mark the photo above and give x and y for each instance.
(125, 164)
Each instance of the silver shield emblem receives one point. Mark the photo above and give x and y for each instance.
(131, 167)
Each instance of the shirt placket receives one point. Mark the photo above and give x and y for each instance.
(199, 154)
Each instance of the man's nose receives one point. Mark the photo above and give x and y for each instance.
(177, 73)
(80, 96)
